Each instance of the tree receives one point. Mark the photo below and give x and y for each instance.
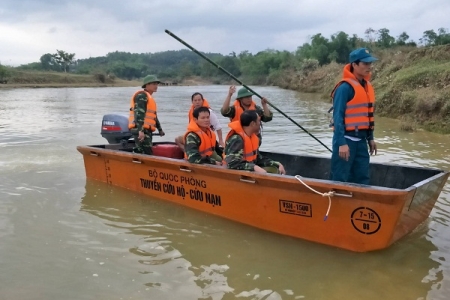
(287, 60)
(371, 35)
(186, 68)
(356, 42)
(402, 38)
(4, 72)
(340, 47)
(443, 36)
(320, 50)
(231, 64)
(304, 52)
(429, 38)
(207, 69)
(385, 40)
(127, 70)
(48, 62)
(64, 59)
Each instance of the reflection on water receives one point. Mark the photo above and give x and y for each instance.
(187, 254)
(157, 232)
(68, 238)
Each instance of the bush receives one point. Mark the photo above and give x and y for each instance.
(4, 72)
(309, 65)
(100, 77)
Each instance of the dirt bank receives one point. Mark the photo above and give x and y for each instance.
(411, 84)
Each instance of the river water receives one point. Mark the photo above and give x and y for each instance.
(65, 237)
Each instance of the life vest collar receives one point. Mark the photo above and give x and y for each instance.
(207, 138)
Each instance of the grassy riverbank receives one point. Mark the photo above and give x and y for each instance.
(36, 79)
(411, 84)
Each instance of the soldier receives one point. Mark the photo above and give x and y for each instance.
(242, 146)
(242, 103)
(143, 119)
(200, 140)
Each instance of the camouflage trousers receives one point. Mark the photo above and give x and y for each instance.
(144, 147)
(273, 170)
(216, 156)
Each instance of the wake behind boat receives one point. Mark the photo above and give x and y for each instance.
(302, 204)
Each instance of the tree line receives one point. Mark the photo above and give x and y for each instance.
(61, 61)
(255, 68)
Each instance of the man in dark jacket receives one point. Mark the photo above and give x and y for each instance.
(353, 120)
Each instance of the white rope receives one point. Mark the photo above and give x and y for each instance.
(327, 194)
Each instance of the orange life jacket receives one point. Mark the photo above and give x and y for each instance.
(191, 111)
(359, 112)
(251, 143)
(207, 139)
(238, 110)
(150, 113)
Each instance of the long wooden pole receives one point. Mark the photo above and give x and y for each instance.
(241, 83)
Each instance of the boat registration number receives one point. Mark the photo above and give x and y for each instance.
(295, 208)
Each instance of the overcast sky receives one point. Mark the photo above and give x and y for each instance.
(90, 28)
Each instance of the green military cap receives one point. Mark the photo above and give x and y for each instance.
(243, 92)
(150, 79)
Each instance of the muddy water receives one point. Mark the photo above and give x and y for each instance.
(65, 237)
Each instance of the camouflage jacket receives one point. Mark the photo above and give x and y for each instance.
(234, 150)
(231, 112)
(191, 147)
(140, 107)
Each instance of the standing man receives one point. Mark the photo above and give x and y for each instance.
(353, 120)
(242, 103)
(143, 119)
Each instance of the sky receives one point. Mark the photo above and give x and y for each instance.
(92, 28)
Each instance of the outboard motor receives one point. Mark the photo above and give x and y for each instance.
(115, 131)
(115, 128)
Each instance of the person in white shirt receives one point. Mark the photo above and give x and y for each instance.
(198, 101)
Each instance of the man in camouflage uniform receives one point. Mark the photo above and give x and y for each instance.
(244, 97)
(193, 140)
(250, 122)
(243, 103)
(143, 136)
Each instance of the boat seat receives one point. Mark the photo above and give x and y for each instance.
(170, 150)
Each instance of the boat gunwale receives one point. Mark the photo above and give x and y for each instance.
(277, 177)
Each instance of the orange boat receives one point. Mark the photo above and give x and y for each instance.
(302, 204)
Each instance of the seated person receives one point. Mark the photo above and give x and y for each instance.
(198, 101)
(200, 140)
(242, 146)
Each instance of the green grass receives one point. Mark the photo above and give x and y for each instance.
(411, 84)
(17, 79)
(424, 74)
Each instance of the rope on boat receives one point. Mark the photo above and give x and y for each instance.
(327, 194)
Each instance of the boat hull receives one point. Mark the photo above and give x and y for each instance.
(361, 218)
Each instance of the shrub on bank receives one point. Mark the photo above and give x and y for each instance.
(411, 84)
